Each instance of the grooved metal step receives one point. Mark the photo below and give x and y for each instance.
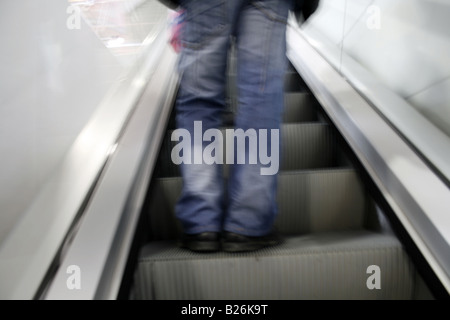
(309, 201)
(303, 146)
(317, 266)
(292, 84)
(307, 146)
(318, 201)
(298, 108)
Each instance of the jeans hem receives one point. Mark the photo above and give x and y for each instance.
(247, 232)
(202, 229)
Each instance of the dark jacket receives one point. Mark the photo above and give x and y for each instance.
(303, 9)
(172, 4)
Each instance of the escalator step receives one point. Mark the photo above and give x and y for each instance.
(298, 108)
(293, 84)
(307, 146)
(161, 213)
(292, 81)
(318, 266)
(318, 201)
(309, 201)
(303, 146)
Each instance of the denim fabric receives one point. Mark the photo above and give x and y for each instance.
(248, 206)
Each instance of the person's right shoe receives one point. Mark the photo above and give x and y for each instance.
(201, 242)
(233, 242)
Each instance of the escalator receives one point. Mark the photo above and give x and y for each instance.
(337, 243)
(89, 194)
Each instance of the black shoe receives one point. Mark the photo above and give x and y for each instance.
(233, 242)
(201, 242)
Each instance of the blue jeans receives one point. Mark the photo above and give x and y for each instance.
(248, 206)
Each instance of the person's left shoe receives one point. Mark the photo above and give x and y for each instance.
(233, 242)
(201, 242)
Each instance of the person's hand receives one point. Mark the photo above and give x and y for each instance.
(176, 24)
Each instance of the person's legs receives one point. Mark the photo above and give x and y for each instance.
(205, 38)
(261, 66)
(261, 58)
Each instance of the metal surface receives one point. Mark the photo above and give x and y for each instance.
(101, 246)
(28, 252)
(418, 197)
(318, 266)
